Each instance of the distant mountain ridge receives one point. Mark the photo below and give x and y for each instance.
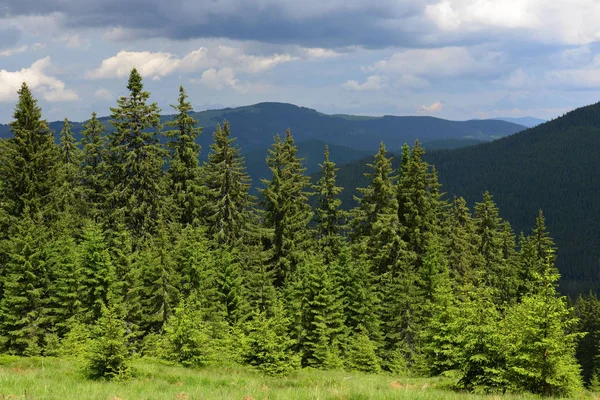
(529, 122)
(255, 126)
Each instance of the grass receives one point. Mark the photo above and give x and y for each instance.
(49, 378)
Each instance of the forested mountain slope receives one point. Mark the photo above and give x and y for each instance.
(553, 167)
(256, 125)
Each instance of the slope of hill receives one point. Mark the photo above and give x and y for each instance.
(255, 125)
(529, 122)
(553, 167)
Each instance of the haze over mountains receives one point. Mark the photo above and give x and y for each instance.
(529, 122)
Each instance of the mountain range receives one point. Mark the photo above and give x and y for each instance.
(529, 122)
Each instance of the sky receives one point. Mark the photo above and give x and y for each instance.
(454, 59)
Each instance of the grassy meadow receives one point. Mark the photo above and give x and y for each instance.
(50, 378)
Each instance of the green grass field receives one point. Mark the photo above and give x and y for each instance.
(37, 378)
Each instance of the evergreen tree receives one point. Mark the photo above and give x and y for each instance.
(98, 275)
(24, 310)
(362, 355)
(540, 351)
(329, 217)
(269, 347)
(287, 212)
(29, 158)
(318, 318)
(136, 161)
(462, 254)
(227, 202)
(93, 171)
(184, 175)
(587, 311)
(109, 357)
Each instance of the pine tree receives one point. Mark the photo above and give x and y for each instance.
(109, 357)
(362, 355)
(462, 254)
(93, 170)
(329, 217)
(136, 161)
(29, 160)
(228, 202)
(98, 274)
(541, 352)
(287, 212)
(184, 175)
(587, 311)
(317, 311)
(24, 311)
(269, 347)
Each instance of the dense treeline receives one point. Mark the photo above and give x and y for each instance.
(120, 246)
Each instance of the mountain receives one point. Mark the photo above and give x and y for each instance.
(529, 122)
(553, 167)
(255, 125)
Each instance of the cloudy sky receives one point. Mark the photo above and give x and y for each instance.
(456, 59)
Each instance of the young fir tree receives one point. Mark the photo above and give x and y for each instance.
(362, 355)
(109, 357)
(540, 349)
(287, 212)
(29, 159)
(419, 203)
(269, 347)
(462, 246)
(93, 171)
(328, 216)
(66, 196)
(136, 161)
(587, 311)
(64, 291)
(184, 174)
(228, 202)
(317, 314)
(98, 275)
(24, 309)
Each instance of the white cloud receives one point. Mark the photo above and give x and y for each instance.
(159, 64)
(103, 94)
(74, 41)
(440, 62)
(562, 21)
(21, 49)
(433, 108)
(373, 82)
(36, 76)
(219, 79)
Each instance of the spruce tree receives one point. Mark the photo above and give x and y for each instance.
(462, 246)
(136, 161)
(109, 357)
(24, 309)
(184, 176)
(228, 202)
(587, 311)
(93, 172)
(362, 354)
(328, 216)
(29, 159)
(287, 212)
(540, 349)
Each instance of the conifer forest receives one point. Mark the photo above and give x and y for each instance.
(123, 246)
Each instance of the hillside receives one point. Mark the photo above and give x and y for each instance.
(529, 122)
(553, 166)
(255, 126)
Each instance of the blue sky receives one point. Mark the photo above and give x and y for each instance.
(456, 59)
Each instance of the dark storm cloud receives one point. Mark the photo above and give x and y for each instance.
(332, 23)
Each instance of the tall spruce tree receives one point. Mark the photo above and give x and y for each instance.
(24, 309)
(93, 172)
(328, 216)
(228, 202)
(66, 196)
(462, 245)
(136, 161)
(184, 175)
(29, 158)
(287, 212)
